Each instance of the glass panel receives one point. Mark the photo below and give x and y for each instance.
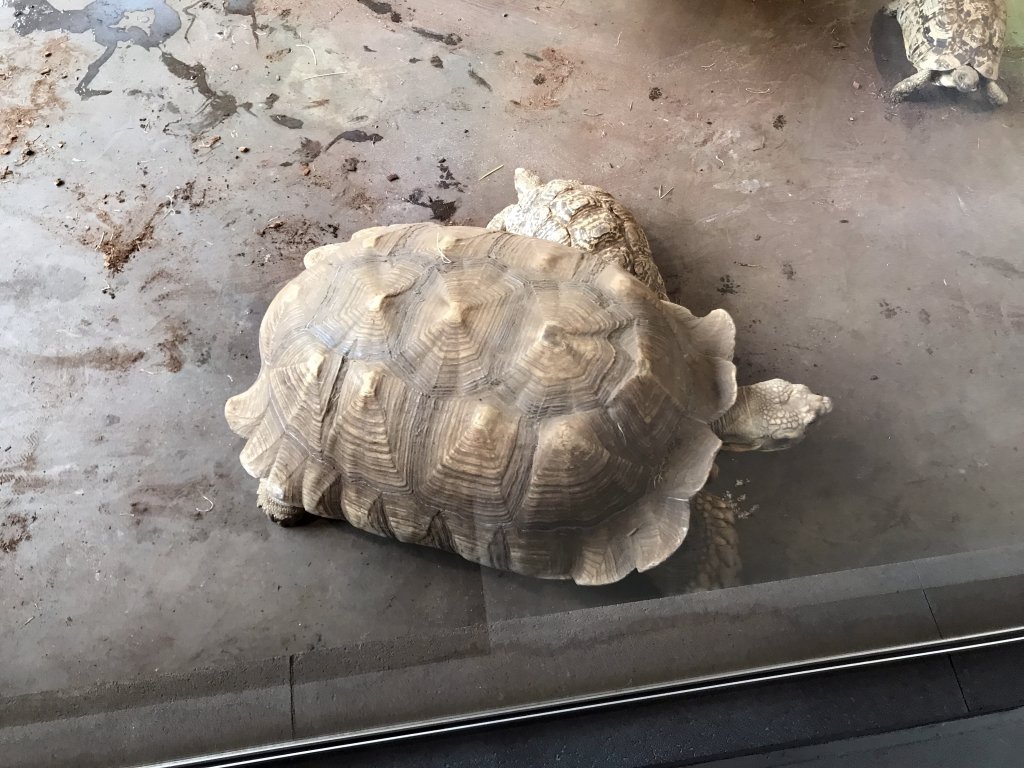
(166, 167)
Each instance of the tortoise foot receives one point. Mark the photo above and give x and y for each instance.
(283, 514)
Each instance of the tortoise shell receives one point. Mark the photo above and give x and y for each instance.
(514, 401)
(941, 35)
(582, 216)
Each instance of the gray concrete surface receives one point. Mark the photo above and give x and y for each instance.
(870, 251)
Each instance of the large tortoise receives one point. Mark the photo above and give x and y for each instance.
(515, 401)
(954, 43)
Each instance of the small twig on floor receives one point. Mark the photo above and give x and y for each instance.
(31, 618)
(303, 45)
(592, 114)
(325, 74)
(493, 170)
(745, 264)
(208, 501)
(720, 160)
(617, 40)
(148, 373)
(630, 106)
(667, 193)
(754, 90)
(708, 66)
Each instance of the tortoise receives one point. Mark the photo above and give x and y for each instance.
(512, 400)
(954, 43)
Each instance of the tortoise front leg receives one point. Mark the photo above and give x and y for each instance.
(282, 514)
(995, 94)
(893, 8)
(904, 88)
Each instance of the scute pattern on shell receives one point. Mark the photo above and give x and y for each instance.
(941, 35)
(582, 216)
(511, 400)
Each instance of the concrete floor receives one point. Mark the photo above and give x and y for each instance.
(870, 251)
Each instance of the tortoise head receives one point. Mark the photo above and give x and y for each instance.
(965, 79)
(770, 416)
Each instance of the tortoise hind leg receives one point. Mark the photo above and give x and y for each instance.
(282, 514)
(904, 88)
(995, 94)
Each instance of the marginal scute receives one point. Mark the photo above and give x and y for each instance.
(517, 402)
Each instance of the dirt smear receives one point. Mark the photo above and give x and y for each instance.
(174, 356)
(14, 529)
(113, 359)
(41, 89)
(440, 210)
(122, 240)
(552, 71)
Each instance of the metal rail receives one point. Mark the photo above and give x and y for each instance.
(456, 724)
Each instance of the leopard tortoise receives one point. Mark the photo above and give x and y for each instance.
(955, 43)
(515, 401)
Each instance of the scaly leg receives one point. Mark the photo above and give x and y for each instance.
(282, 514)
(995, 94)
(904, 88)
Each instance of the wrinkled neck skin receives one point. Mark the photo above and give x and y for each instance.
(732, 426)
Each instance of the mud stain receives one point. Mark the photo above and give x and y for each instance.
(888, 311)
(448, 180)
(479, 80)
(356, 136)
(286, 121)
(121, 241)
(726, 285)
(1002, 266)
(309, 150)
(924, 316)
(788, 271)
(552, 73)
(449, 38)
(219, 105)
(435, 61)
(104, 19)
(244, 8)
(16, 118)
(440, 210)
(174, 357)
(113, 359)
(14, 530)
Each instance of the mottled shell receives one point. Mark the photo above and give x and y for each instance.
(941, 35)
(511, 400)
(581, 216)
